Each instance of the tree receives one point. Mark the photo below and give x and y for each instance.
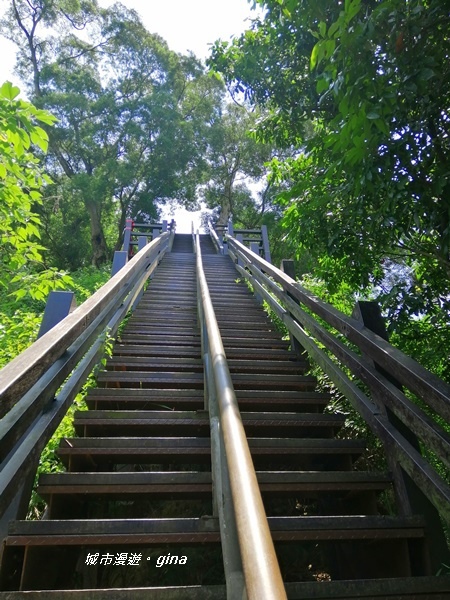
(361, 88)
(128, 111)
(21, 181)
(236, 163)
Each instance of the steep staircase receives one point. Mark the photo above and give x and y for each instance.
(133, 516)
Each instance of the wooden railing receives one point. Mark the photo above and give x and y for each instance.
(218, 243)
(256, 239)
(137, 235)
(38, 386)
(376, 363)
(246, 540)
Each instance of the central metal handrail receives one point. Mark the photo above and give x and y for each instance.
(262, 575)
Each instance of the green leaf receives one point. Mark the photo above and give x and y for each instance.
(322, 85)
(426, 74)
(373, 115)
(333, 28)
(9, 91)
(40, 138)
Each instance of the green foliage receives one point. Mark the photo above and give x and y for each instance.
(88, 280)
(17, 332)
(132, 120)
(23, 270)
(236, 160)
(361, 89)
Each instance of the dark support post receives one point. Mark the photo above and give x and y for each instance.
(254, 247)
(288, 267)
(220, 229)
(240, 238)
(127, 236)
(59, 305)
(164, 226)
(155, 233)
(265, 240)
(120, 260)
(370, 314)
(18, 507)
(142, 242)
(172, 228)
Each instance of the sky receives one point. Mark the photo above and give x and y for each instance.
(186, 25)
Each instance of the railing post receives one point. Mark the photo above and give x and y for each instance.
(410, 498)
(120, 260)
(288, 267)
(172, 228)
(142, 242)
(240, 238)
(265, 241)
(58, 306)
(194, 245)
(127, 236)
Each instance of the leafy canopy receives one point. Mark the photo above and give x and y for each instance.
(362, 89)
(21, 183)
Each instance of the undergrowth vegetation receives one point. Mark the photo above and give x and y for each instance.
(19, 325)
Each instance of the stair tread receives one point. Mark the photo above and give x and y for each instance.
(426, 587)
(140, 531)
(185, 363)
(199, 477)
(258, 378)
(143, 443)
(112, 416)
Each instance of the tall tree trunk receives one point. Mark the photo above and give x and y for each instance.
(225, 210)
(98, 242)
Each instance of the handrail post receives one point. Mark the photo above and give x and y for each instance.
(194, 247)
(265, 243)
(288, 267)
(59, 304)
(172, 229)
(127, 236)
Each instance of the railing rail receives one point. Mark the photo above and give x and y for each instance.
(286, 298)
(141, 232)
(262, 575)
(28, 384)
(215, 239)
